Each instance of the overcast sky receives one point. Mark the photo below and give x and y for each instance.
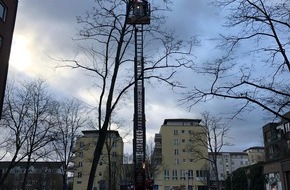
(45, 29)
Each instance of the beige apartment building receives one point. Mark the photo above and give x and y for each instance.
(112, 155)
(177, 168)
(255, 154)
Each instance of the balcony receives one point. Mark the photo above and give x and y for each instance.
(158, 138)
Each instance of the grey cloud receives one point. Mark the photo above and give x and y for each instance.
(53, 23)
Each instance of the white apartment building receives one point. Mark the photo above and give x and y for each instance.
(227, 162)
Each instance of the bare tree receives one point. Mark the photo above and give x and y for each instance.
(112, 159)
(27, 120)
(127, 171)
(70, 117)
(110, 58)
(153, 162)
(254, 68)
(213, 138)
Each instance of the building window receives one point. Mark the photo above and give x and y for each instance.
(175, 141)
(183, 140)
(166, 174)
(242, 163)
(182, 174)
(80, 164)
(80, 174)
(201, 173)
(174, 175)
(167, 188)
(114, 144)
(184, 160)
(81, 154)
(182, 131)
(2, 11)
(175, 132)
(114, 154)
(175, 151)
(198, 173)
(176, 161)
(190, 174)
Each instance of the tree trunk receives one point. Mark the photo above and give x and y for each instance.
(110, 171)
(64, 179)
(217, 181)
(98, 150)
(26, 173)
(11, 165)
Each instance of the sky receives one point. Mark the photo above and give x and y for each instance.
(45, 30)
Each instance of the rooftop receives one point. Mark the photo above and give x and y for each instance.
(229, 153)
(255, 148)
(96, 132)
(181, 121)
(51, 165)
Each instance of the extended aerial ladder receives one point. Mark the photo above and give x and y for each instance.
(139, 15)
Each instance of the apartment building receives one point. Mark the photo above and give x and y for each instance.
(41, 175)
(112, 157)
(8, 9)
(277, 154)
(178, 169)
(255, 154)
(227, 162)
